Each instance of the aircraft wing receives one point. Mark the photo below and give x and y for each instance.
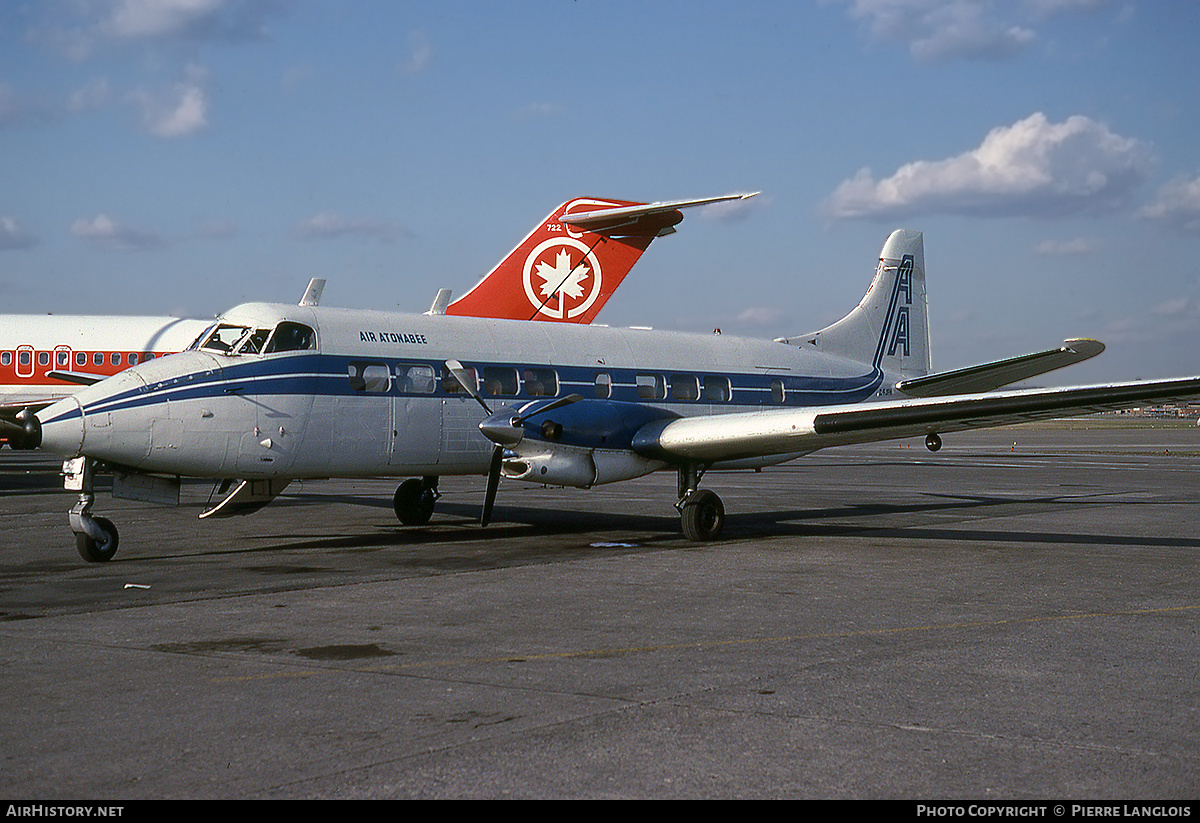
(1002, 372)
(79, 378)
(744, 435)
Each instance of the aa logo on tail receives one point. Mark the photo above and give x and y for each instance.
(900, 332)
(562, 278)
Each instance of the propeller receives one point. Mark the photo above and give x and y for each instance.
(25, 432)
(502, 429)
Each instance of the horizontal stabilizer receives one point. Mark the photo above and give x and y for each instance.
(990, 376)
(247, 498)
(646, 219)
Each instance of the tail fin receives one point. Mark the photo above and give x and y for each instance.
(889, 328)
(568, 267)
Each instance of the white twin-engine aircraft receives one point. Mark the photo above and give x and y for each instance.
(276, 393)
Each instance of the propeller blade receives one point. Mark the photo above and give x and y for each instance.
(493, 483)
(557, 404)
(464, 379)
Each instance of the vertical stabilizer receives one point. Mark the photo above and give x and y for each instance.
(568, 267)
(558, 273)
(889, 328)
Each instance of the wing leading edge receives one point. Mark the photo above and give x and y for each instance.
(746, 435)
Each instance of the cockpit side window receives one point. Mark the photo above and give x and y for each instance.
(291, 336)
(224, 338)
(254, 341)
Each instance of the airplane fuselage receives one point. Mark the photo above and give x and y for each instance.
(371, 395)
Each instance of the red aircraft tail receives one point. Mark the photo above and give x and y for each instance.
(568, 267)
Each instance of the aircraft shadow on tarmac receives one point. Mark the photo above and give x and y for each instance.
(459, 522)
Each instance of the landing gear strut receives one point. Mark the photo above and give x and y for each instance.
(414, 500)
(701, 512)
(96, 538)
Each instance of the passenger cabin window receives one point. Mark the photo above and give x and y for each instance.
(133, 359)
(716, 389)
(373, 378)
(498, 380)
(416, 379)
(603, 385)
(6, 358)
(450, 384)
(777, 393)
(43, 358)
(115, 358)
(651, 386)
(63, 358)
(540, 382)
(80, 358)
(684, 387)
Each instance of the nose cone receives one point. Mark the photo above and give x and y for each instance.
(62, 427)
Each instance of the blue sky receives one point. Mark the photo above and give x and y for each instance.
(183, 156)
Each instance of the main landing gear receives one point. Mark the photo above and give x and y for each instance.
(701, 512)
(414, 500)
(96, 538)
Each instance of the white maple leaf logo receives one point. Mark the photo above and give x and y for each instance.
(562, 277)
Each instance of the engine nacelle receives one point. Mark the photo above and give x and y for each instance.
(580, 468)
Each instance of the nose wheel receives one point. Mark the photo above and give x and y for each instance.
(96, 538)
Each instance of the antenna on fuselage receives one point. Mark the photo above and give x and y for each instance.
(440, 302)
(312, 295)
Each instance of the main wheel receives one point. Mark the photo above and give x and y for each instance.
(98, 551)
(703, 516)
(413, 502)
(933, 442)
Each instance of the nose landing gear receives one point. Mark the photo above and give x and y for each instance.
(96, 538)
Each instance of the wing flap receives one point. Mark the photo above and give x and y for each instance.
(744, 435)
(989, 376)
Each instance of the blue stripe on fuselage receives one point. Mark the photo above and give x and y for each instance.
(327, 375)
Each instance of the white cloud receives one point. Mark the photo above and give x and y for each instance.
(103, 232)
(327, 225)
(181, 112)
(1063, 248)
(93, 94)
(420, 54)
(193, 19)
(1033, 167)
(1177, 205)
(941, 30)
(760, 316)
(963, 29)
(13, 236)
